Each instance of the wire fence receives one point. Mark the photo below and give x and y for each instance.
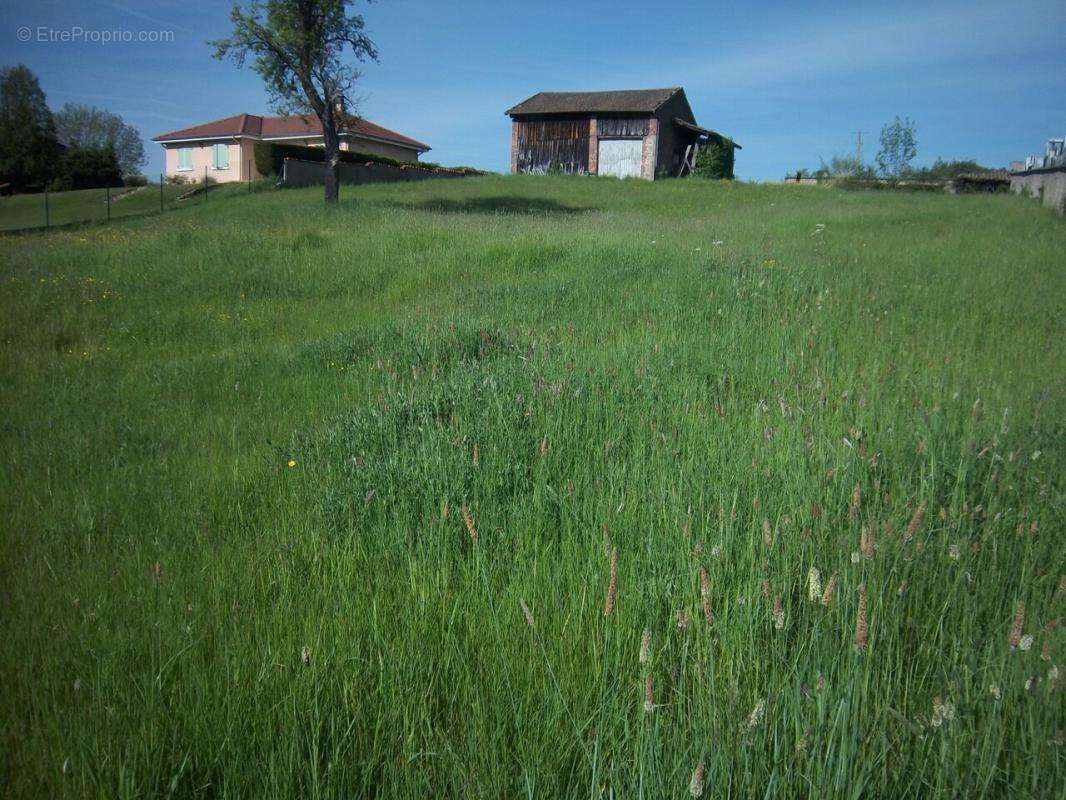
(26, 212)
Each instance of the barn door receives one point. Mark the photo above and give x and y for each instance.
(620, 157)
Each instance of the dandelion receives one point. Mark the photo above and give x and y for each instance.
(778, 613)
(649, 693)
(705, 596)
(814, 585)
(468, 521)
(292, 463)
(861, 621)
(1015, 637)
(526, 612)
(830, 590)
(755, 717)
(612, 586)
(645, 646)
(916, 522)
(695, 786)
(856, 501)
(867, 545)
(305, 655)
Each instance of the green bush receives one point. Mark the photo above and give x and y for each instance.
(715, 160)
(135, 180)
(270, 155)
(86, 168)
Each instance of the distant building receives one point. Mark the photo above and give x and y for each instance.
(1043, 177)
(645, 133)
(223, 149)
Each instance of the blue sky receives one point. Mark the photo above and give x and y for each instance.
(792, 82)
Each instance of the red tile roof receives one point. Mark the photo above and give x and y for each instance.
(261, 127)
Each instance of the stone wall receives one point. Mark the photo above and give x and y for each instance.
(1048, 185)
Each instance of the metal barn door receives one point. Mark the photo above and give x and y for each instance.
(620, 157)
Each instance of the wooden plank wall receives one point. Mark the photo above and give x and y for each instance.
(561, 142)
(622, 126)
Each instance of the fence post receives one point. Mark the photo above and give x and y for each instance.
(160, 192)
(46, 222)
(108, 189)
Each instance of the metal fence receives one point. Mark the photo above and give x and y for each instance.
(25, 212)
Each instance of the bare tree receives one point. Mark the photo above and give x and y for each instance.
(299, 47)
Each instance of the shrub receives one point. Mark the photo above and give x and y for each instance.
(135, 180)
(177, 180)
(715, 160)
(87, 168)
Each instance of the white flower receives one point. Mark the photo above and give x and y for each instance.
(814, 585)
(855, 557)
(305, 654)
(994, 691)
(1026, 642)
(953, 552)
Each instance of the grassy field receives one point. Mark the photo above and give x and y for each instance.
(90, 205)
(515, 487)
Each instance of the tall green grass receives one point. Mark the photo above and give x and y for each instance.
(240, 441)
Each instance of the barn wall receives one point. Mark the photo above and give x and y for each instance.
(538, 144)
(672, 141)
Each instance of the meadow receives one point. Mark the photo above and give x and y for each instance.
(536, 487)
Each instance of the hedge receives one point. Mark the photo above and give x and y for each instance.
(270, 155)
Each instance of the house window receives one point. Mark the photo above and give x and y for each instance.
(184, 158)
(221, 153)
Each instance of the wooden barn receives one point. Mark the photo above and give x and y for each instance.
(645, 133)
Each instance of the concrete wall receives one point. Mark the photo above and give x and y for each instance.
(1046, 185)
(202, 158)
(311, 173)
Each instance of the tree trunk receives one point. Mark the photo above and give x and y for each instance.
(331, 143)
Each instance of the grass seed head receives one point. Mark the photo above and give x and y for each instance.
(830, 590)
(468, 521)
(1016, 628)
(695, 786)
(861, 621)
(705, 596)
(856, 502)
(649, 693)
(612, 586)
(645, 646)
(779, 613)
(526, 612)
(916, 522)
(867, 544)
(767, 533)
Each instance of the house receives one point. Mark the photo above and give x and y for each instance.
(646, 133)
(224, 149)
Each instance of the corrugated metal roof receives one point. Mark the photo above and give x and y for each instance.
(619, 101)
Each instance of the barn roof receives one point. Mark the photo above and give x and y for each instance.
(266, 127)
(621, 101)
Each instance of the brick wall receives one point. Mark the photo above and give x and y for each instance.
(594, 147)
(649, 153)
